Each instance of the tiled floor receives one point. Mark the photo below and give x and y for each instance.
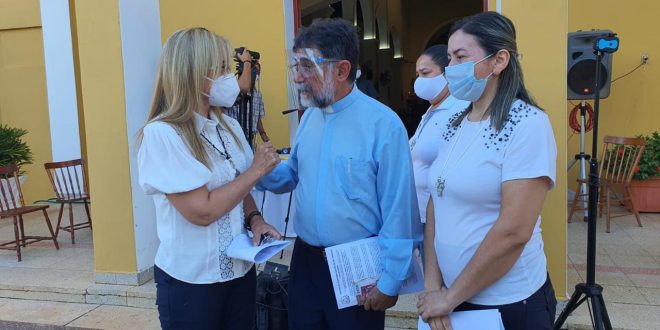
(628, 266)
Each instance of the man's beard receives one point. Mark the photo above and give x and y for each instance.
(322, 99)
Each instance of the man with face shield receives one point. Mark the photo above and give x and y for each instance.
(351, 168)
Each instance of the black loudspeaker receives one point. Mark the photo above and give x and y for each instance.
(582, 66)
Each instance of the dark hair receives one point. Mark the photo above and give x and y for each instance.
(438, 54)
(495, 32)
(334, 38)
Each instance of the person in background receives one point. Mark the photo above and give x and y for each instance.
(351, 170)
(251, 70)
(431, 86)
(495, 165)
(196, 164)
(363, 81)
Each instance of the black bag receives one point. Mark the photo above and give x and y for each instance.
(273, 297)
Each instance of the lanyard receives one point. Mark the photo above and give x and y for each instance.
(224, 153)
(425, 119)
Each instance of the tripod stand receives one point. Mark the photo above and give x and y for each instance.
(590, 290)
(583, 158)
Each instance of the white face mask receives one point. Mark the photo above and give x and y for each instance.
(224, 91)
(429, 88)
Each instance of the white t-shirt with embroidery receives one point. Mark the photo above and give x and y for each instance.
(473, 172)
(188, 252)
(424, 145)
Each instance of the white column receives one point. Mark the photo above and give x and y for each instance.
(60, 80)
(289, 31)
(141, 47)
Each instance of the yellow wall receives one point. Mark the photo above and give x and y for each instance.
(16, 14)
(258, 25)
(102, 81)
(544, 64)
(633, 106)
(23, 99)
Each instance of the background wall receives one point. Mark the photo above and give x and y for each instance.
(633, 106)
(23, 101)
(258, 25)
(544, 64)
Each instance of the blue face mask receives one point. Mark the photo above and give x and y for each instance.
(463, 85)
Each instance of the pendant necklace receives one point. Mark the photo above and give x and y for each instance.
(441, 181)
(225, 154)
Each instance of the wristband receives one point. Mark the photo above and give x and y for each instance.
(248, 219)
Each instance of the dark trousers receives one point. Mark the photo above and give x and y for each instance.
(312, 303)
(226, 305)
(536, 312)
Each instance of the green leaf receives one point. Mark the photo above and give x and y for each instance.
(13, 150)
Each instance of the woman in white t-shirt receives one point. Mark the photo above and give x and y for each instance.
(431, 86)
(199, 169)
(495, 165)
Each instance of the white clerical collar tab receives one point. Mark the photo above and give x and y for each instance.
(328, 109)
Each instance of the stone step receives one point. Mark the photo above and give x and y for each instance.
(402, 316)
(101, 294)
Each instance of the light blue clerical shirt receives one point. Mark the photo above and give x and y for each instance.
(351, 168)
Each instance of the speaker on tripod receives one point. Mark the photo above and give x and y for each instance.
(581, 63)
(603, 46)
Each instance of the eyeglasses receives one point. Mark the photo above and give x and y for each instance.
(306, 67)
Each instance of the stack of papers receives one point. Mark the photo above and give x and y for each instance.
(241, 248)
(487, 319)
(355, 268)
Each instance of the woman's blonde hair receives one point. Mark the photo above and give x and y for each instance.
(188, 58)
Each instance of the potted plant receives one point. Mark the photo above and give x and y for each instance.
(13, 150)
(645, 186)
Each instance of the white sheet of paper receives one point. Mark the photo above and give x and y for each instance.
(487, 319)
(241, 248)
(357, 264)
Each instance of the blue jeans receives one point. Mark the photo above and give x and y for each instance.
(225, 305)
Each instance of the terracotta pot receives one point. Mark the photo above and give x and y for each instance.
(646, 194)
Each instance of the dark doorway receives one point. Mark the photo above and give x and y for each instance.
(393, 33)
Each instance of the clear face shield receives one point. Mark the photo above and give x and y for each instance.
(310, 79)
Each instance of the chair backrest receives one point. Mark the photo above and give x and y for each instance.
(68, 179)
(620, 158)
(11, 196)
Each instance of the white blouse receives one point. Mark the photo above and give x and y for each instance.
(425, 142)
(465, 182)
(189, 252)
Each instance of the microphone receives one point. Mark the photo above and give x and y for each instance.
(286, 112)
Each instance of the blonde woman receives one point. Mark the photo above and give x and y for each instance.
(200, 170)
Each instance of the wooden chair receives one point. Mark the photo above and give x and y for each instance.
(70, 185)
(13, 206)
(619, 159)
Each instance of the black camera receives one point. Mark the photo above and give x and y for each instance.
(255, 56)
